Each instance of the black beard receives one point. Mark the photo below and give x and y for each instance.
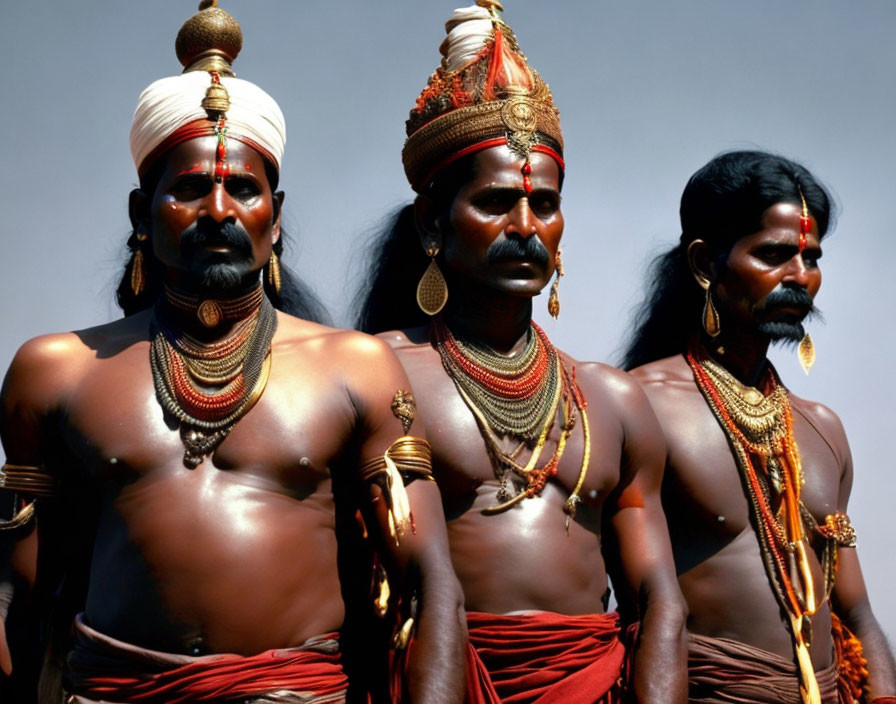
(789, 329)
(785, 332)
(217, 271)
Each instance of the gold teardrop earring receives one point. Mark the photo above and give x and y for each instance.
(274, 271)
(711, 322)
(806, 353)
(432, 290)
(138, 269)
(554, 297)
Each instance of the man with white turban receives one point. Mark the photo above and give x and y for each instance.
(191, 465)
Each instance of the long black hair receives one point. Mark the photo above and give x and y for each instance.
(722, 202)
(295, 297)
(387, 298)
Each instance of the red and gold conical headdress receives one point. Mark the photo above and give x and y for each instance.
(483, 94)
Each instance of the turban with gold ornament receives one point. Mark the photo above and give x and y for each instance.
(175, 109)
(483, 94)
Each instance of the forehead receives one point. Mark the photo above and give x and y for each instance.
(781, 221)
(200, 154)
(501, 166)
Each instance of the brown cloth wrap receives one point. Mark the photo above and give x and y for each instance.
(723, 671)
(545, 658)
(103, 670)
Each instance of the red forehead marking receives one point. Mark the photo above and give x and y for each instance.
(805, 226)
(527, 177)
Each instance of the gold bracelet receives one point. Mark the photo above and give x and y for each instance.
(22, 479)
(410, 455)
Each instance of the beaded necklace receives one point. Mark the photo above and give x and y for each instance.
(759, 428)
(209, 387)
(518, 397)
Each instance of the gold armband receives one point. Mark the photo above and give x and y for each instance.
(837, 527)
(407, 456)
(35, 481)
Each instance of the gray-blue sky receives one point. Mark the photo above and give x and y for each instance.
(648, 91)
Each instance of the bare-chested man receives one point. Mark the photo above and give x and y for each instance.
(757, 480)
(546, 465)
(190, 458)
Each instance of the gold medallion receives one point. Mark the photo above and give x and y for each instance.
(209, 313)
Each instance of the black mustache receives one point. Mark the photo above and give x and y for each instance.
(210, 233)
(789, 297)
(530, 248)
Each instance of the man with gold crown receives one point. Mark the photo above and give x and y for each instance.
(190, 466)
(757, 480)
(549, 468)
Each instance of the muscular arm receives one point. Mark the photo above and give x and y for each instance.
(645, 558)
(30, 391)
(421, 555)
(850, 597)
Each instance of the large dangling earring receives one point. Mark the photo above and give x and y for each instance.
(711, 316)
(138, 271)
(274, 271)
(806, 353)
(432, 291)
(554, 298)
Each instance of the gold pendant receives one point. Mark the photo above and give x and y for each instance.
(209, 313)
(432, 291)
(711, 317)
(137, 274)
(806, 353)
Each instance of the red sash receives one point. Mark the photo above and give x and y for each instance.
(545, 658)
(102, 668)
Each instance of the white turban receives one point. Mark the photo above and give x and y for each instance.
(172, 103)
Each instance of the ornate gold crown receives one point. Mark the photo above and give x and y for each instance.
(496, 96)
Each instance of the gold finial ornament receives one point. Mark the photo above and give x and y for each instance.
(493, 6)
(209, 41)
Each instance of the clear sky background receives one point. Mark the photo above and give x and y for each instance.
(649, 90)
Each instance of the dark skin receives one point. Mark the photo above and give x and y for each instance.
(524, 559)
(720, 570)
(239, 554)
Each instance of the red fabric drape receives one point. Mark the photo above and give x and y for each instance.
(102, 668)
(545, 658)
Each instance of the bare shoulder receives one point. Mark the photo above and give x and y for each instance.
(820, 416)
(611, 388)
(348, 352)
(601, 381)
(403, 341)
(671, 370)
(48, 367)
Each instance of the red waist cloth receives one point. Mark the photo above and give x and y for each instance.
(545, 658)
(104, 669)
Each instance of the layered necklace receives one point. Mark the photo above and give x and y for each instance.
(759, 427)
(208, 387)
(517, 397)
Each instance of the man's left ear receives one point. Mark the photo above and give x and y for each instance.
(138, 211)
(278, 211)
